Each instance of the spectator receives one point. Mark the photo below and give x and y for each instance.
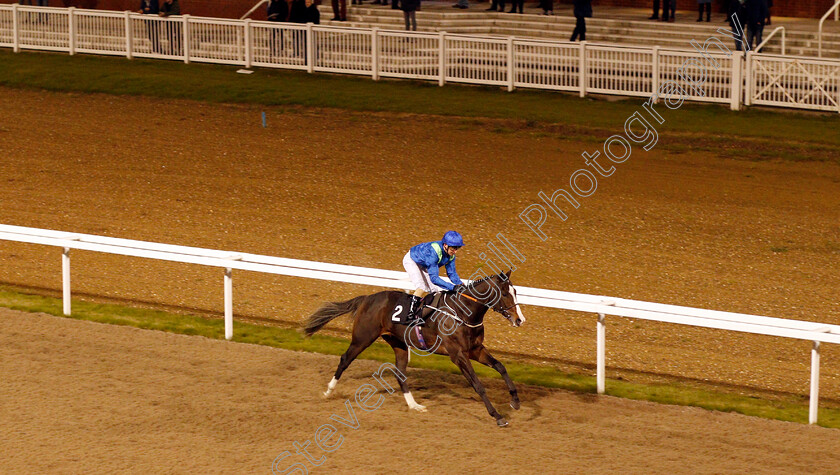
(339, 10)
(497, 5)
(583, 10)
(547, 6)
(738, 10)
(303, 11)
(151, 7)
(756, 15)
(41, 3)
(278, 11)
(516, 3)
(707, 4)
(669, 10)
(462, 4)
(655, 15)
(769, 7)
(409, 8)
(173, 28)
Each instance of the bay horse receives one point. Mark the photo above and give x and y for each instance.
(454, 322)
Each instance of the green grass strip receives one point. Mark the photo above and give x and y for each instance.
(217, 83)
(790, 408)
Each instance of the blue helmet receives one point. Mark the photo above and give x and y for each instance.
(453, 239)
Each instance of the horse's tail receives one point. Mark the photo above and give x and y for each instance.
(328, 312)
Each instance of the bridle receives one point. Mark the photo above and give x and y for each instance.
(496, 308)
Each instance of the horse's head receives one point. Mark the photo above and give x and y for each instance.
(498, 293)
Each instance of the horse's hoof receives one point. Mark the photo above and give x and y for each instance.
(420, 408)
(326, 394)
(514, 404)
(501, 422)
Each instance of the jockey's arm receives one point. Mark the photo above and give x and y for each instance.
(434, 276)
(452, 273)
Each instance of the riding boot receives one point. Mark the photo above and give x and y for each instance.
(414, 311)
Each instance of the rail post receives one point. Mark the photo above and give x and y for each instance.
(15, 29)
(511, 65)
(654, 74)
(186, 39)
(737, 81)
(129, 37)
(601, 357)
(228, 303)
(582, 69)
(71, 30)
(442, 58)
(247, 39)
(65, 280)
(310, 49)
(374, 53)
(815, 383)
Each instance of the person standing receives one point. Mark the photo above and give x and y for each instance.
(339, 8)
(278, 11)
(497, 5)
(736, 14)
(707, 4)
(409, 8)
(756, 16)
(583, 10)
(669, 10)
(516, 3)
(173, 29)
(547, 7)
(655, 15)
(151, 7)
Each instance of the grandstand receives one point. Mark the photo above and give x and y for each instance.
(626, 26)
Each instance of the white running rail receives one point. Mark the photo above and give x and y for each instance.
(802, 330)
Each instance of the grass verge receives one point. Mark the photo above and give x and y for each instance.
(217, 83)
(793, 408)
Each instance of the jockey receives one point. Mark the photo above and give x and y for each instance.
(423, 261)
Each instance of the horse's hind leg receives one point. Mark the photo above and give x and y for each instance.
(401, 357)
(362, 338)
(484, 357)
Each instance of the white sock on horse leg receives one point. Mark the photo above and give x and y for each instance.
(412, 404)
(331, 386)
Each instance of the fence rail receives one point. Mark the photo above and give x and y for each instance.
(816, 332)
(443, 57)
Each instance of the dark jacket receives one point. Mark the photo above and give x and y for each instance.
(278, 10)
(736, 8)
(300, 13)
(149, 7)
(756, 11)
(409, 5)
(170, 8)
(583, 8)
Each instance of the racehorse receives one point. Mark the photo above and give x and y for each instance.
(454, 321)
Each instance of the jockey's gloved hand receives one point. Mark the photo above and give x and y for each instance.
(460, 288)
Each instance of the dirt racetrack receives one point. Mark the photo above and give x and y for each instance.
(82, 397)
(676, 225)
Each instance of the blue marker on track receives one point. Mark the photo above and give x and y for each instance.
(263, 116)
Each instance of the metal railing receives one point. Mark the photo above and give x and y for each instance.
(509, 62)
(767, 39)
(816, 332)
(836, 10)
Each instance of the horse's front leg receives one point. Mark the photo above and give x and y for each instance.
(484, 357)
(460, 359)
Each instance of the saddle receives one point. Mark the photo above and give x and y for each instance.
(405, 311)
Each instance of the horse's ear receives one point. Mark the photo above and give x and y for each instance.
(507, 274)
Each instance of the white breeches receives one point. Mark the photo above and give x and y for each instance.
(418, 276)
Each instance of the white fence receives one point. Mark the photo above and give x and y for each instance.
(816, 332)
(499, 61)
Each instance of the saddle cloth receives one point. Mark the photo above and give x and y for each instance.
(401, 312)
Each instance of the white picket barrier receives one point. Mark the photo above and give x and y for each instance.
(637, 71)
(816, 332)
